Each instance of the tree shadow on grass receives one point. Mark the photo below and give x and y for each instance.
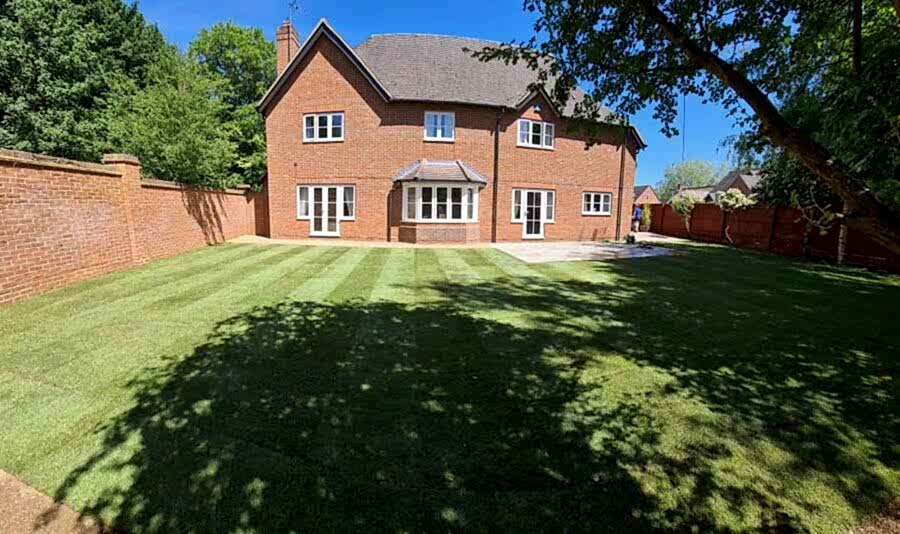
(510, 404)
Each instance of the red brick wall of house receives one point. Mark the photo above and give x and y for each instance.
(381, 138)
(64, 221)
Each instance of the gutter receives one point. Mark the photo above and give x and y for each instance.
(623, 148)
(496, 186)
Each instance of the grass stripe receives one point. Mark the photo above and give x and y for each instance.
(361, 281)
(128, 283)
(395, 282)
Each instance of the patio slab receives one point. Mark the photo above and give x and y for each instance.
(543, 252)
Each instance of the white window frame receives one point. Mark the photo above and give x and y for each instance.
(330, 124)
(340, 201)
(547, 133)
(441, 138)
(590, 204)
(544, 216)
(468, 191)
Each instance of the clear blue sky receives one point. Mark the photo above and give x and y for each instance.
(501, 20)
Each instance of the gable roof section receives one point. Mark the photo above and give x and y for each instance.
(322, 29)
(750, 178)
(418, 67)
(699, 193)
(639, 190)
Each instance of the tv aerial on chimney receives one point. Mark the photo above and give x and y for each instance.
(293, 9)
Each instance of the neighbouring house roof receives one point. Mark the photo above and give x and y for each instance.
(440, 171)
(750, 178)
(641, 189)
(435, 68)
(700, 193)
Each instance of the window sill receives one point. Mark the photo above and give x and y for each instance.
(536, 147)
(437, 221)
(438, 140)
(341, 140)
(583, 214)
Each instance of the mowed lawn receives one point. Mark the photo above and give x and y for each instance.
(275, 388)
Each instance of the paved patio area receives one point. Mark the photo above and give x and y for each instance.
(543, 252)
(25, 510)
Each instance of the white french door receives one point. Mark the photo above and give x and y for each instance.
(534, 215)
(326, 202)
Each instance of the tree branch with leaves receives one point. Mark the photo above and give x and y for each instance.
(744, 54)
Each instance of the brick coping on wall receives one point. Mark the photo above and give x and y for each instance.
(39, 160)
(163, 184)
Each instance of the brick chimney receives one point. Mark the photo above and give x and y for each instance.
(286, 46)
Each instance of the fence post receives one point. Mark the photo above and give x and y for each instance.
(772, 228)
(722, 234)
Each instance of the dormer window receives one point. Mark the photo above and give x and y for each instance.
(536, 134)
(440, 126)
(323, 127)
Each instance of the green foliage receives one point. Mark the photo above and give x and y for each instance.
(174, 126)
(744, 55)
(857, 117)
(646, 216)
(243, 61)
(690, 173)
(733, 199)
(59, 60)
(683, 205)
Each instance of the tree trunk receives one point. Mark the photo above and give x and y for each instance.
(865, 212)
(897, 8)
(857, 36)
(842, 240)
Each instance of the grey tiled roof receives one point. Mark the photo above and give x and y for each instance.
(751, 177)
(438, 68)
(439, 171)
(639, 190)
(698, 192)
(432, 68)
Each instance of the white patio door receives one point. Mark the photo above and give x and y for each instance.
(325, 204)
(534, 215)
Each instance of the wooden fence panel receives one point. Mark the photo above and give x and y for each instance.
(781, 230)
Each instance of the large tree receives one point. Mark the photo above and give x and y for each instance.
(244, 62)
(745, 54)
(59, 60)
(690, 173)
(174, 125)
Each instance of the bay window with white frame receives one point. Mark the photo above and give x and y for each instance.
(440, 203)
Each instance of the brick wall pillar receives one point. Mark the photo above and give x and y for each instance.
(130, 168)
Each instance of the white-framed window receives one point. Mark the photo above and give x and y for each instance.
(547, 200)
(440, 126)
(346, 199)
(536, 134)
(323, 127)
(440, 203)
(596, 204)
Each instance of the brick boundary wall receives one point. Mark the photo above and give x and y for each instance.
(777, 229)
(64, 221)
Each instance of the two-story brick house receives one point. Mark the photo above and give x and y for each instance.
(408, 138)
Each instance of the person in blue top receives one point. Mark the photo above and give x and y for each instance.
(636, 220)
